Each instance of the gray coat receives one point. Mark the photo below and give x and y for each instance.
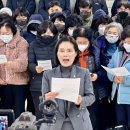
(78, 115)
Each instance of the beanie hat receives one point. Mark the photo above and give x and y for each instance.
(35, 18)
(6, 10)
(99, 13)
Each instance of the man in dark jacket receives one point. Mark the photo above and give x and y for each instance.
(96, 4)
(30, 5)
(43, 7)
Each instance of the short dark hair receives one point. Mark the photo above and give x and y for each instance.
(66, 39)
(42, 28)
(72, 21)
(102, 19)
(9, 23)
(81, 32)
(84, 4)
(125, 34)
(122, 3)
(21, 11)
(54, 3)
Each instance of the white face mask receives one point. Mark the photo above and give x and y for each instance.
(70, 32)
(82, 48)
(127, 47)
(101, 30)
(34, 32)
(112, 38)
(6, 38)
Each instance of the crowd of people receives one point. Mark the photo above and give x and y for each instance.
(78, 37)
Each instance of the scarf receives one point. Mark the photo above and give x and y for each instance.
(82, 60)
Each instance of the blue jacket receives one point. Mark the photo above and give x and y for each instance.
(101, 58)
(43, 7)
(124, 88)
(30, 5)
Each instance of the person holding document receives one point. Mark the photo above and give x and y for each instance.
(41, 58)
(71, 115)
(13, 67)
(121, 84)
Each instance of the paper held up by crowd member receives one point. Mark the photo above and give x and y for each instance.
(45, 64)
(119, 71)
(3, 59)
(68, 88)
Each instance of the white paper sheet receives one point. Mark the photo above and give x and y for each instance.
(3, 59)
(119, 71)
(45, 64)
(68, 88)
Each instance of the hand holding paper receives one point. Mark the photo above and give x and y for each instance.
(119, 71)
(68, 88)
(3, 59)
(45, 64)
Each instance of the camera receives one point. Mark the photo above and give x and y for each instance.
(48, 109)
(27, 121)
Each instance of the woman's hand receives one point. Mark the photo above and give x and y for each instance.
(93, 77)
(50, 95)
(79, 100)
(118, 79)
(39, 69)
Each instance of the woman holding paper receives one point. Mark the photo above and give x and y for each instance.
(13, 71)
(71, 115)
(104, 48)
(41, 57)
(121, 84)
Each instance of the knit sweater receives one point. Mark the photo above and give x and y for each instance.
(16, 52)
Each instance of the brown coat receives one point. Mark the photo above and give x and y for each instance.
(16, 52)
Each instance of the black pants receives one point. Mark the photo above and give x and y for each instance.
(13, 97)
(36, 101)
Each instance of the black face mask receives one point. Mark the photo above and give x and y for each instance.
(60, 27)
(21, 22)
(47, 38)
(85, 15)
(122, 15)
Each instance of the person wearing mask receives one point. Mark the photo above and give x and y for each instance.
(85, 9)
(104, 48)
(44, 6)
(72, 22)
(122, 12)
(30, 35)
(30, 5)
(96, 4)
(70, 115)
(59, 21)
(21, 17)
(114, 6)
(41, 49)
(99, 22)
(32, 27)
(121, 84)
(13, 71)
(86, 60)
